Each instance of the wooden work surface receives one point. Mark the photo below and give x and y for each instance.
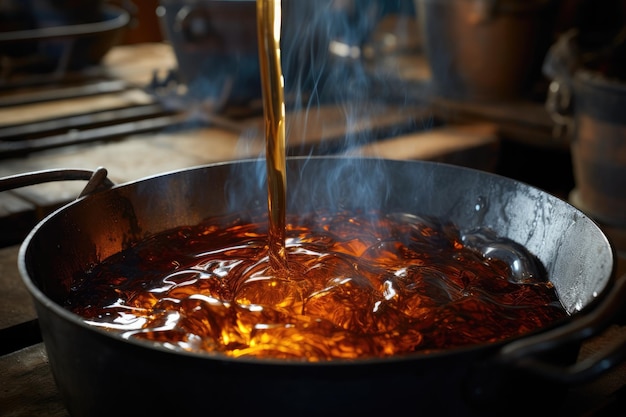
(26, 384)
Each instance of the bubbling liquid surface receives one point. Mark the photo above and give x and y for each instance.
(358, 285)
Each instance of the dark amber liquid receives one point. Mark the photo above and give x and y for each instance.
(358, 286)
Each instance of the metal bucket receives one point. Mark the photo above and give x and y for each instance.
(588, 104)
(599, 148)
(483, 49)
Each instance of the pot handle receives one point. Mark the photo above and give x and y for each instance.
(560, 64)
(522, 353)
(97, 180)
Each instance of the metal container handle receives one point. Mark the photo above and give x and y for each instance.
(522, 357)
(523, 353)
(560, 64)
(97, 179)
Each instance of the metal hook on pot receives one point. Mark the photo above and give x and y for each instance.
(523, 353)
(559, 103)
(98, 180)
(561, 62)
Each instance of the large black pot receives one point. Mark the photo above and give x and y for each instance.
(102, 374)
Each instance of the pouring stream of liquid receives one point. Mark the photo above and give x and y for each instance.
(269, 30)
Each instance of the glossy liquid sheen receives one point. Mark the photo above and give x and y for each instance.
(269, 30)
(319, 287)
(359, 285)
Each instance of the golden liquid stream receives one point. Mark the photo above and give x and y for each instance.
(269, 30)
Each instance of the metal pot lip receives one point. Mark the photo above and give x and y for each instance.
(42, 299)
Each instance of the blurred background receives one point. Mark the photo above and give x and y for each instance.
(530, 89)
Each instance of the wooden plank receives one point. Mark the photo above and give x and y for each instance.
(133, 158)
(327, 128)
(133, 65)
(61, 108)
(472, 145)
(27, 387)
(16, 305)
(17, 217)
(11, 204)
(524, 121)
(137, 63)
